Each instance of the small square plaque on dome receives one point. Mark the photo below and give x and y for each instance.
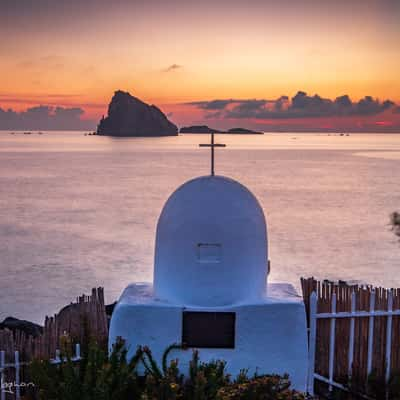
(209, 252)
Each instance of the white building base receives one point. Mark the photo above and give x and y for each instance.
(270, 335)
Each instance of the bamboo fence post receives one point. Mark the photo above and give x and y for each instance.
(370, 332)
(388, 337)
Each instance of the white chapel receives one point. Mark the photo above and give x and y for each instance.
(211, 289)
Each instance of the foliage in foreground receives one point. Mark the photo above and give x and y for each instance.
(395, 222)
(99, 377)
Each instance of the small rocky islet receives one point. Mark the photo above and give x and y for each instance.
(206, 129)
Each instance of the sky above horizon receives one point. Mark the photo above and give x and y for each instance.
(255, 56)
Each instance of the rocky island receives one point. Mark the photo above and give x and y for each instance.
(206, 129)
(129, 116)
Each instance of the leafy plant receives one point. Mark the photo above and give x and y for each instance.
(96, 377)
(267, 387)
(162, 383)
(394, 386)
(395, 222)
(102, 377)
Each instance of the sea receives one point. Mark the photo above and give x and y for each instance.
(79, 211)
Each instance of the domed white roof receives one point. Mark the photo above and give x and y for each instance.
(211, 244)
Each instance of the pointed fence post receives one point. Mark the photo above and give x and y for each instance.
(17, 376)
(389, 336)
(312, 343)
(2, 367)
(351, 337)
(332, 342)
(370, 332)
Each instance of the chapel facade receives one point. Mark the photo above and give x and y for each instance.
(211, 290)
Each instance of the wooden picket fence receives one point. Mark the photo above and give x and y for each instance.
(74, 323)
(354, 333)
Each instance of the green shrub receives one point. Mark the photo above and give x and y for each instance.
(102, 377)
(96, 377)
(267, 387)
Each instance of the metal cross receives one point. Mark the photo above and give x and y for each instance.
(212, 145)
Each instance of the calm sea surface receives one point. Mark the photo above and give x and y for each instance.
(81, 211)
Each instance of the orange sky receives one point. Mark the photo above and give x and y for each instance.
(170, 52)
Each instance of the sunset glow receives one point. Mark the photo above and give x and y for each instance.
(171, 53)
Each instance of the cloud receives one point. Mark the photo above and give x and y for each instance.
(173, 67)
(299, 106)
(45, 118)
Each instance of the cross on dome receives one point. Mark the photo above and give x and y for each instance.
(212, 145)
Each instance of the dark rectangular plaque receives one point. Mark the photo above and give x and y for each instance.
(208, 329)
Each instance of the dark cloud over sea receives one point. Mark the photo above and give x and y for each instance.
(299, 106)
(45, 118)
